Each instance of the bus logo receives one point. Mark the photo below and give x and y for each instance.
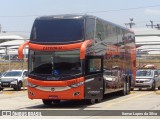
(52, 48)
(52, 89)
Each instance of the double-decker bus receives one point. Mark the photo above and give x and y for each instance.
(78, 57)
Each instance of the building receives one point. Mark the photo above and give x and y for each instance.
(9, 43)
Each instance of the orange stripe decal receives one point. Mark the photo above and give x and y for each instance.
(54, 47)
(84, 48)
(55, 83)
(20, 49)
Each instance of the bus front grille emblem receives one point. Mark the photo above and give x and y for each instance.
(52, 89)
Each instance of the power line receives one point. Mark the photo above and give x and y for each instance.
(157, 26)
(152, 25)
(19, 31)
(133, 8)
(114, 10)
(20, 16)
(0, 28)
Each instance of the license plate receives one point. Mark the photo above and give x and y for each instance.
(52, 97)
(5, 84)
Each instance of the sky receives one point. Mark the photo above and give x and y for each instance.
(17, 16)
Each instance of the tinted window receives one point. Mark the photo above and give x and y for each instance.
(13, 74)
(57, 30)
(144, 73)
(93, 65)
(99, 31)
(90, 28)
(57, 65)
(156, 73)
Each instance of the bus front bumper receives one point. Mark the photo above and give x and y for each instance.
(56, 93)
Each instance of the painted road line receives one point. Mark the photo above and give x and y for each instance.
(158, 92)
(127, 99)
(131, 92)
(13, 92)
(8, 92)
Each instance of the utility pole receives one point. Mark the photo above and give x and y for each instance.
(0, 28)
(157, 26)
(130, 23)
(152, 25)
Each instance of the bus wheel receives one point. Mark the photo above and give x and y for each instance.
(56, 101)
(90, 101)
(47, 102)
(128, 87)
(124, 91)
(98, 100)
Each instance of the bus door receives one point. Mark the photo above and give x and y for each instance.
(93, 77)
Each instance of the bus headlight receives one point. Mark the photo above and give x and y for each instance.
(77, 84)
(32, 85)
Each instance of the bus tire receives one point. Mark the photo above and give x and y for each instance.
(90, 101)
(46, 102)
(124, 91)
(128, 87)
(98, 100)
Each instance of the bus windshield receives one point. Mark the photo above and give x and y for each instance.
(57, 30)
(55, 65)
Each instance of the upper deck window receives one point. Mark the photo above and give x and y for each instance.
(57, 30)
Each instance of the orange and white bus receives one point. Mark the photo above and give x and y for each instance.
(78, 57)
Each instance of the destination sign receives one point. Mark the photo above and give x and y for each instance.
(53, 48)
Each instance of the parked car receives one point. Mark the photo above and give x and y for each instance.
(12, 57)
(147, 78)
(13, 79)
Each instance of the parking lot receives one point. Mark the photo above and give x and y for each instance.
(137, 100)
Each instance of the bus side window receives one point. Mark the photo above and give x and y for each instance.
(94, 65)
(100, 36)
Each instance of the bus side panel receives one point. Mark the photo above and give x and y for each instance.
(94, 86)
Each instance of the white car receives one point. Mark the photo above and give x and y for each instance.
(13, 79)
(147, 78)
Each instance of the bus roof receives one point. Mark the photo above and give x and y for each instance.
(76, 16)
(64, 16)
